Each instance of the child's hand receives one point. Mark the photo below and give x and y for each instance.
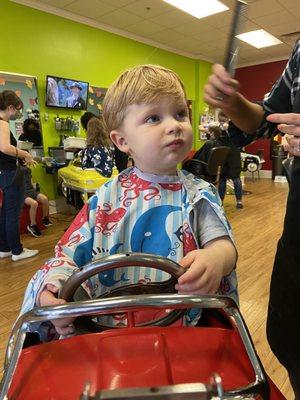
(48, 298)
(204, 273)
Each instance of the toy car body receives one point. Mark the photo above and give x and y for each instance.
(174, 362)
(77, 184)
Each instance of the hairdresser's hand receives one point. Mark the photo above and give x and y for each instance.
(221, 90)
(48, 298)
(204, 273)
(290, 125)
(28, 160)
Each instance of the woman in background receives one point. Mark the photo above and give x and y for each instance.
(99, 153)
(12, 185)
(232, 168)
(121, 158)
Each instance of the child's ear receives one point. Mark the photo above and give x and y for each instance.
(119, 141)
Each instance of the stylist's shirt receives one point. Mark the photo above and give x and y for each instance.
(8, 162)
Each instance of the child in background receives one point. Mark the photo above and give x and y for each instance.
(151, 207)
(99, 153)
(32, 199)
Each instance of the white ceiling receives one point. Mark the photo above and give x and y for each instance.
(159, 24)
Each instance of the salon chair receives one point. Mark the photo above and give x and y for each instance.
(210, 171)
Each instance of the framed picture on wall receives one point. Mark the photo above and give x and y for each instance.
(95, 99)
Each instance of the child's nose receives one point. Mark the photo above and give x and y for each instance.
(174, 127)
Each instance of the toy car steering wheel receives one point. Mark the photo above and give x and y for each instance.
(128, 260)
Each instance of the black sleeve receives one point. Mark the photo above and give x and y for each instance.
(237, 137)
(280, 99)
(282, 95)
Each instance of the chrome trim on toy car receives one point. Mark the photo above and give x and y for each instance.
(131, 304)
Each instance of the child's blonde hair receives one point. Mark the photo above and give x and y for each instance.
(142, 84)
(96, 134)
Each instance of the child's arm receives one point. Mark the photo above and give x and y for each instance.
(216, 257)
(72, 251)
(206, 267)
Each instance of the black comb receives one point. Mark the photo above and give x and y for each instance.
(232, 50)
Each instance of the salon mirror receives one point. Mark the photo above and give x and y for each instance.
(27, 129)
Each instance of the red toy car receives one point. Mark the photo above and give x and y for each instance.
(141, 361)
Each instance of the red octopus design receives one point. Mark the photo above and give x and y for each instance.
(56, 263)
(189, 243)
(74, 239)
(106, 222)
(78, 222)
(45, 268)
(174, 187)
(134, 186)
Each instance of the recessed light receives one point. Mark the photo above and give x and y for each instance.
(259, 38)
(199, 8)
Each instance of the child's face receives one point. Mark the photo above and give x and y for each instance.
(157, 136)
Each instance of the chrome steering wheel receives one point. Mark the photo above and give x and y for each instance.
(70, 287)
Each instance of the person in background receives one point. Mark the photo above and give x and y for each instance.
(33, 199)
(52, 96)
(203, 153)
(279, 111)
(12, 185)
(31, 132)
(233, 165)
(121, 158)
(84, 119)
(99, 153)
(75, 100)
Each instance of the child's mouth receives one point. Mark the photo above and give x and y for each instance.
(176, 144)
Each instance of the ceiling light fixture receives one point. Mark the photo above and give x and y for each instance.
(259, 38)
(199, 8)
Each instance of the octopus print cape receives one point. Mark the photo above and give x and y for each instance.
(132, 213)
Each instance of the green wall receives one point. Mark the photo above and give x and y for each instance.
(37, 43)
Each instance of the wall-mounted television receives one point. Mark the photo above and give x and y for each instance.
(66, 93)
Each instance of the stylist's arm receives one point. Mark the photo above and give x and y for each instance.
(221, 91)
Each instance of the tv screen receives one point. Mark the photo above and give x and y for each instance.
(66, 93)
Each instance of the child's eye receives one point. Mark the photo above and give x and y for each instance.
(152, 119)
(181, 115)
